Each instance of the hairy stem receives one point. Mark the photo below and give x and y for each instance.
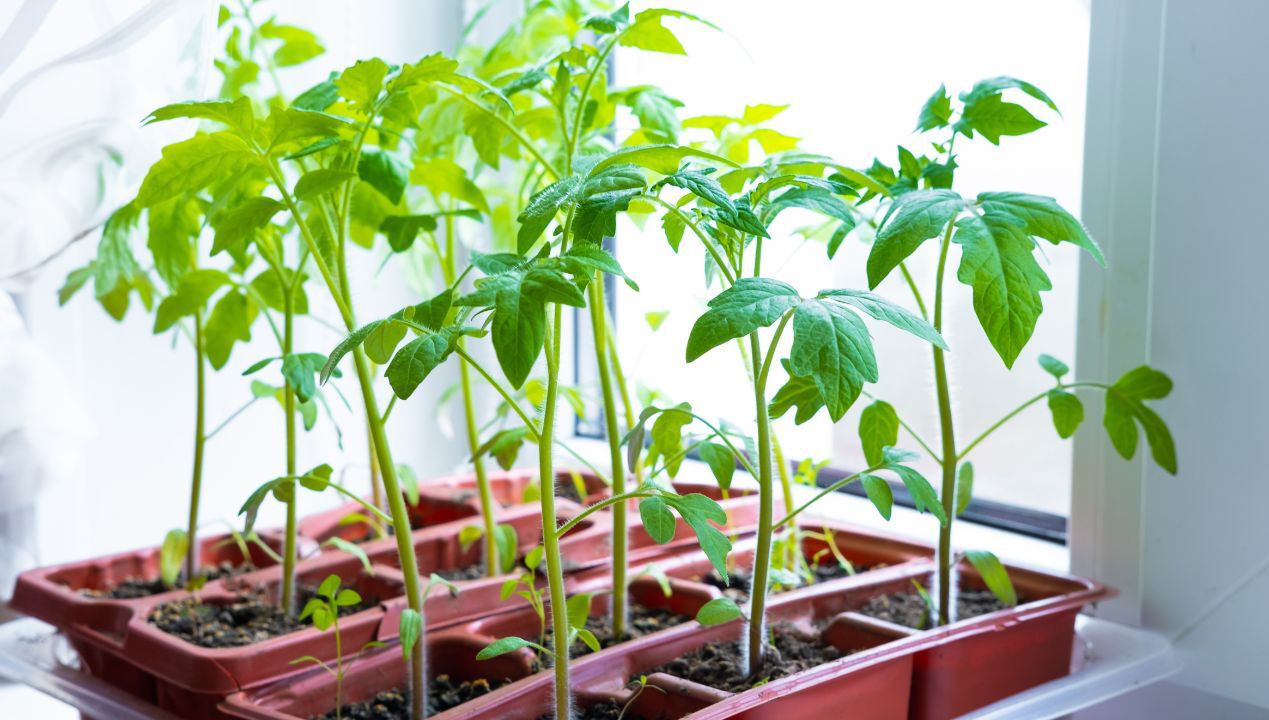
(762, 559)
(948, 490)
(550, 534)
(599, 329)
(288, 549)
(200, 439)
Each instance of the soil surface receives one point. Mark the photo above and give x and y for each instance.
(248, 620)
(721, 664)
(442, 694)
(133, 588)
(604, 710)
(911, 610)
(475, 571)
(738, 590)
(643, 620)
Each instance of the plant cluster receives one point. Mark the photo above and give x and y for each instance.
(498, 177)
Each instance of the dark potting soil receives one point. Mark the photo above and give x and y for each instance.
(738, 589)
(721, 664)
(911, 610)
(442, 694)
(133, 588)
(475, 571)
(248, 620)
(603, 710)
(643, 620)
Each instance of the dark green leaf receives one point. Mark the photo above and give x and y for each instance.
(879, 308)
(750, 304)
(914, 218)
(998, 262)
(800, 392)
(832, 346)
(299, 370)
(998, 84)
(1042, 217)
(1125, 408)
(502, 646)
(401, 230)
(385, 172)
(936, 112)
(319, 97)
(346, 346)
(541, 209)
(923, 495)
(414, 362)
(236, 225)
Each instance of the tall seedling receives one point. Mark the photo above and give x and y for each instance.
(998, 234)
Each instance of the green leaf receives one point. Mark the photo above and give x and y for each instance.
(589, 638)
(579, 610)
(699, 511)
(193, 164)
(994, 575)
(319, 97)
(1053, 366)
(656, 111)
(603, 196)
(352, 549)
(816, 200)
(362, 83)
(667, 436)
(443, 176)
(414, 362)
(586, 258)
(236, 114)
(230, 322)
(1125, 408)
(663, 159)
(433, 312)
(329, 587)
(292, 126)
(411, 630)
(657, 520)
(238, 224)
(914, 218)
(964, 486)
(1068, 412)
(718, 612)
(316, 183)
(879, 308)
(533, 558)
(936, 112)
(702, 186)
(502, 646)
(299, 370)
(750, 304)
(923, 495)
(172, 555)
(879, 493)
(272, 291)
(541, 209)
(508, 546)
(385, 172)
(878, 428)
(347, 598)
(992, 117)
(346, 346)
(831, 345)
(191, 296)
(998, 263)
(468, 535)
(1042, 217)
(998, 84)
(800, 392)
(401, 230)
(721, 462)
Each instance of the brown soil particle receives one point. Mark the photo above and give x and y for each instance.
(443, 693)
(133, 588)
(911, 610)
(721, 664)
(247, 620)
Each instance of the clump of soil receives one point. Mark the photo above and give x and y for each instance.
(133, 588)
(247, 620)
(443, 693)
(911, 610)
(475, 571)
(567, 489)
(643, 620)
(721, 664)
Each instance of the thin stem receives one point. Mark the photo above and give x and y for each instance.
(916, 292)
(705, 239)
(762, 560)
(550, 534)
(946, 420)
(599, 330)
(915, 435)
(581, 100)
(200, 439)
(224, 423)
(506, 395)
(606, 502)
(771, 349)
(830, 489)
(289, 552)
(508, 126)
(1014, 413)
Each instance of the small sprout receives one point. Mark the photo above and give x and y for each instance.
(719, 611)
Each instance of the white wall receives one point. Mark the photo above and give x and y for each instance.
(1176, 175)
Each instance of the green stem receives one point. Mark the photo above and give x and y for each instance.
(599, 330)
(487, 508)
(948, 490)
(1013, 413)
(581, 100)
(200, 439)
(723, 267)
(379, 442)
(550, 534)
(508, 126)
(762, 559)
(916, 292)
(288, 550)
(607, 502)
(830, 489)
